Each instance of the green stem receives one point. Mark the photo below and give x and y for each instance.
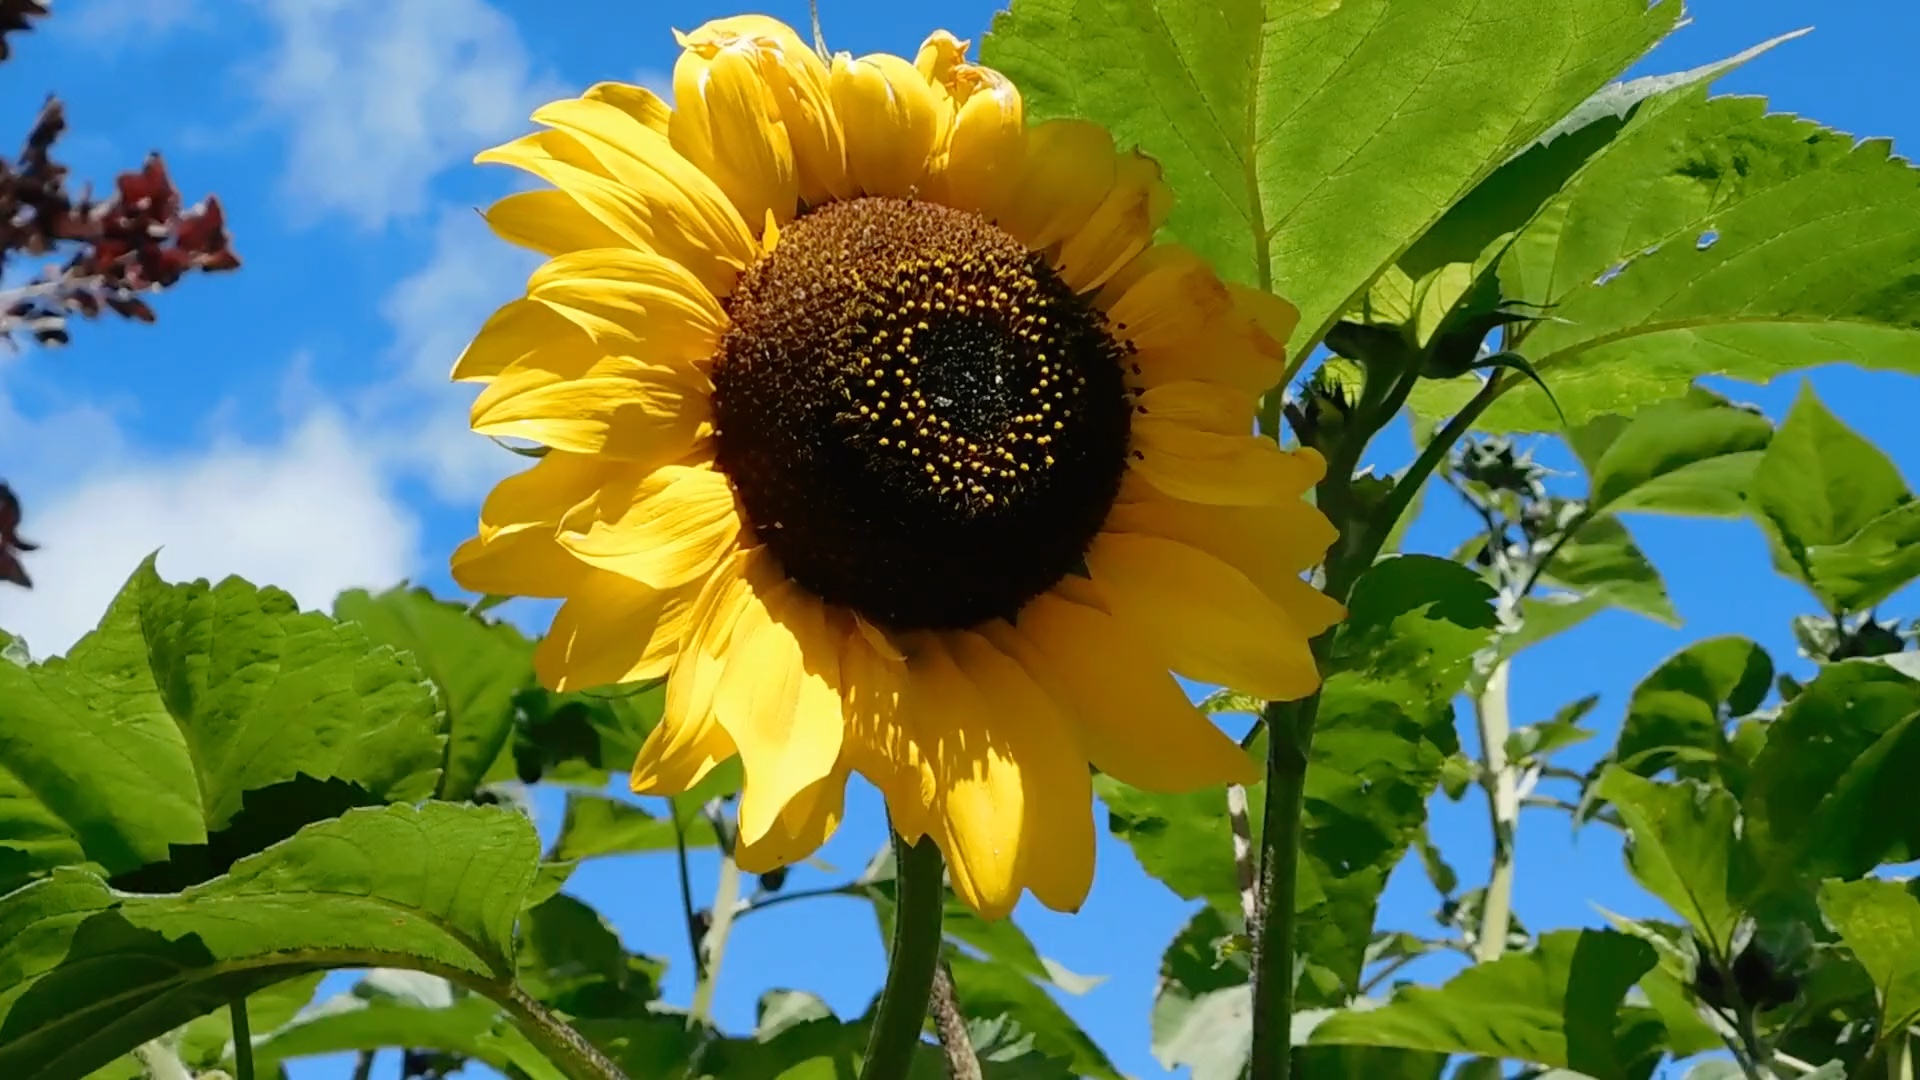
(902, 1012)
(1289, 743)
(686, 891)
(363, 1066)
(566, 1048)
(160, 1062)
(726, 898)
(242, 1039)
(1498, 779)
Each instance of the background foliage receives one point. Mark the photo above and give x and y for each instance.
(216, 795)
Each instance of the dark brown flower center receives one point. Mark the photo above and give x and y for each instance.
(924, 422)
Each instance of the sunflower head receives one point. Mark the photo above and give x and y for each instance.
(880, 426)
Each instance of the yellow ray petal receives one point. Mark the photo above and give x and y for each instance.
(898, 122)
(1211, 622)
(1187, 324)
(1069, 169)
(939, 55)
(1222, 470)
(633, 302)
(519, 328)
(985, 151)
(614, 405)
(640, 188)
(613, 630)
(1134, 720)
(779, 697)
(549, 221)
(1269, 544)
(1015, 791)
(689, 734)
(1211, 407)
(1121, 227)
(803, 826)
(664, 529)
(642, 104)
(727, 124)
(879, 743)
(799, 93)
(517, 552)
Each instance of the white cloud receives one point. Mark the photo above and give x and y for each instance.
(377, 98)
(311, 515)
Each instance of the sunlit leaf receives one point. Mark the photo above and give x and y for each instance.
(598, 825)
(367, 1019)
(987, 991)
(475, 665)
(1678, 714)
(1880, 922)
(1203, 1009)
(1603, 562)
(1682, 848)
(1695, 455)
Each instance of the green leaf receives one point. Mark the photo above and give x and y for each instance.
(1819, 486)
(778, 1010)
(1370, 1062)
(1558, 1005)
(598, 825)
(1682, 848)
(565, 946)
(580, 737)
(1678, 714)
(90, 973)
(206, 1042)
(1416, 621)
(1873, 564)
(1602, 561)
(367, 1019)
(1312, 143)
(1695, 455)
(1880, 922)
(988, 991)
(1709, 237)
(1831, 789)
(153, 729)
(1547, 616)
(1203, 1010)
(476, 666)
(1548, 737)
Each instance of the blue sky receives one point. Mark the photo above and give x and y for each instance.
(292, 422)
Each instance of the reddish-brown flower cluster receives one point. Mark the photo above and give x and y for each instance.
(18, 15)
(139, 240)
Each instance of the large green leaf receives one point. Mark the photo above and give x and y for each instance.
(1694, 455)
(1678, 714)
(1707, 236)
(154, 728)
(384, 1012)
(476, 666)
(1880, 922)
(1682, 848)
(87, 973)
(990, 991)
(1831, 793)
(1558, 1005)
(1312, 143)
(1603, 562)
(1203, 1008)
(598, 825)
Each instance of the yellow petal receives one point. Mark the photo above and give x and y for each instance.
(1185, 323)
(517, 552)
(984, 156)
(1015, 789)
(799, 88)
(939, 55)
(633, 302)
(1211, 407)
(803, 826)
(638, 187)
(879, 743)
(727, 124)
(897, 123)
(550, 222)
(1121, 227)
(1210, 621)
(1137, 724)
(613, 630)
(779, 697)
(519, 328)
(689, 733)
(664, 529)
(1069, 169)
(1223, 470)
(1269, 544)
(642, 104)
(613, 405)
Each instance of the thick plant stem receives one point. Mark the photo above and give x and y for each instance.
(160, 1061)
(1289, 739)
(566, 1048)
(1502, 786)
(902, 1012)
(962, 1062)
(242, 1039)
(713, 946)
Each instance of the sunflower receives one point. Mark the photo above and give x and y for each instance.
(879, 425)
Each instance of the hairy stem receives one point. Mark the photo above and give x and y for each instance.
(962, 1063)
(566, 1048)
(1289, 740)
(242, 1039)
(1242, 827)
(919, 897)
(713, 945)
(1501, 783)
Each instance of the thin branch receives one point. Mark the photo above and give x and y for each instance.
(726, 901)
(692, 916)
(850, 888)
(962, 1062)
(363, 1068)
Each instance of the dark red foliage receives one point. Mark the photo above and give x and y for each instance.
(18, 15)
(138, 240)
(10, 543)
